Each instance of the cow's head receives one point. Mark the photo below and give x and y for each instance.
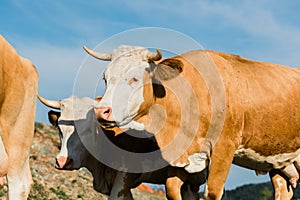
(131, 79)
(73, 154)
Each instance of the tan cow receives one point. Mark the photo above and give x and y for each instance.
(246, 112)
(18, 90)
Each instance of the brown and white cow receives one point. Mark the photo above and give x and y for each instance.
(18, 90)
(247, 112)
(85, 144)
(75, 154)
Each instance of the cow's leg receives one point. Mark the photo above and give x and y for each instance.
(190, 189)
(291, 172)
(18, 143)
(3, 161)
(190, 192)
(177, 190)
(19, 176)
(221, 159)
(121, 187)
(173, 188)
(19, 181)
(282, 190)
(174, 182)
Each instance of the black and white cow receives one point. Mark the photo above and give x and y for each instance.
(85, 144)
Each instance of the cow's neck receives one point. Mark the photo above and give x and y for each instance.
(165, 112)
(174, 118)
(104, 176)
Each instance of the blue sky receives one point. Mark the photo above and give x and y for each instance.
(51, 34)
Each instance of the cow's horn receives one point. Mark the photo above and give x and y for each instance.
(155, 57)
(49, 103)
(100, 56)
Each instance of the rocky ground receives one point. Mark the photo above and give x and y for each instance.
(52, 184)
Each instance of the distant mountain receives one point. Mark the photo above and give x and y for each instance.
(261, 191)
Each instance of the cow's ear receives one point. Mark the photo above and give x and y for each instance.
(167, 69)
(98, 98)
(53, 117)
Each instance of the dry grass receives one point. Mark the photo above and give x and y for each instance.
(52, 184)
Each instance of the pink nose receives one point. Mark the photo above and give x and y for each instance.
(103, 112)
(64, 163)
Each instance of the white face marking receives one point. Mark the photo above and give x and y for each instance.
(66, 133)
(124, 78)
(72, 109)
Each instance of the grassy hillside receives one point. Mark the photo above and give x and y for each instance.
(53, 184)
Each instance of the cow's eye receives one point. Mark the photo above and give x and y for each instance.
(133, 80)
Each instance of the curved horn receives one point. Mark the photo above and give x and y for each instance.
(155, 57)
(100, 56)
(49, 103)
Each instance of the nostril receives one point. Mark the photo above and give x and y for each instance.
(107, 111)
(103, 112)
(69, 164)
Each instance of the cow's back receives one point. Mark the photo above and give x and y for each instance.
(18, 80)
(266, 98)
(261, 103)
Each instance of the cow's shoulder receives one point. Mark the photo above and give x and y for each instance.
(12, 62)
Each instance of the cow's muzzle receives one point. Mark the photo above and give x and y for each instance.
(103, 112)
(65, 163)
(103, 115)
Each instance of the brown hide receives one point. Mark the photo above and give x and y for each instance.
(263, 98)
(260, 106)
(18, 90)
(254, 105)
